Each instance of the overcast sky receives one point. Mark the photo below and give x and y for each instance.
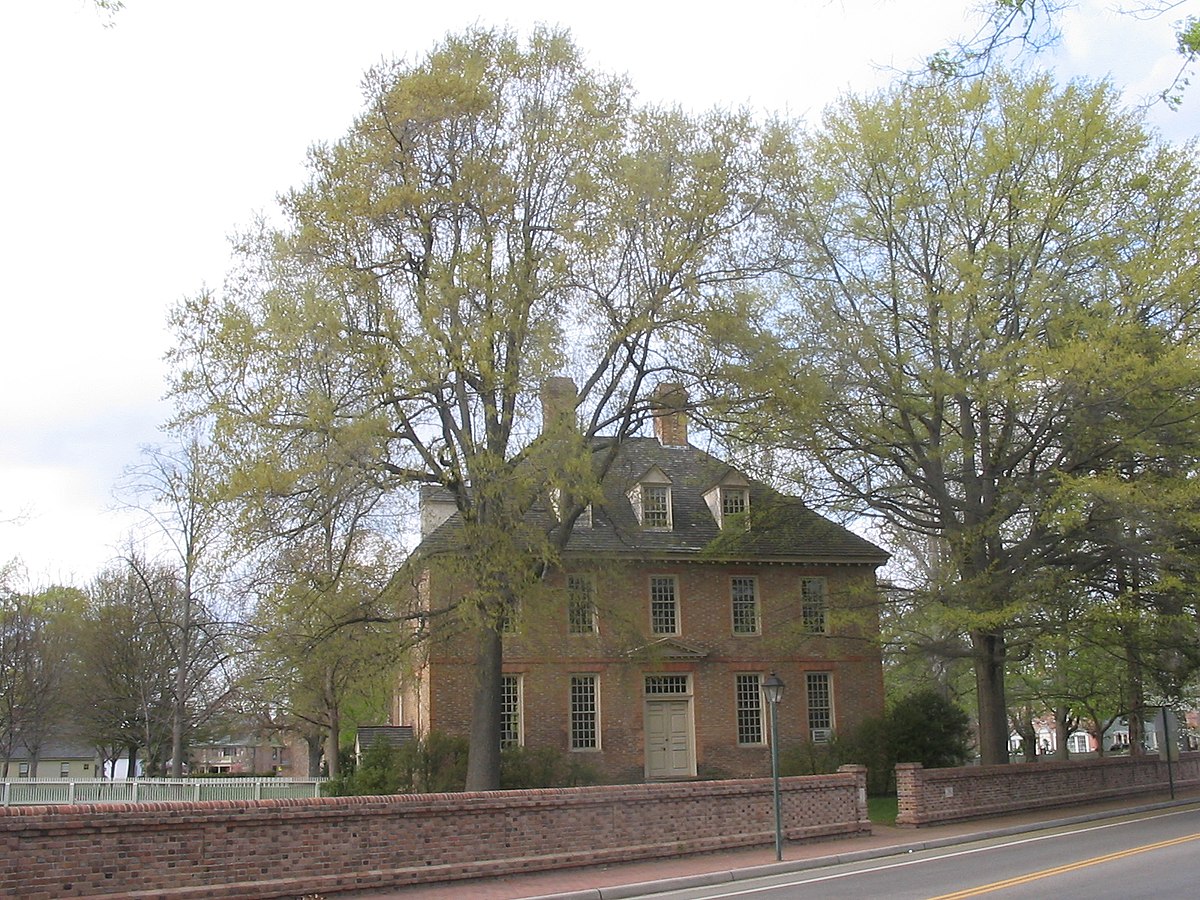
(131, 152)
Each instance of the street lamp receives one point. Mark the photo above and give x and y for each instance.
(772, 689)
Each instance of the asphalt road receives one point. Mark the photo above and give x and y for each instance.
(1149, 855)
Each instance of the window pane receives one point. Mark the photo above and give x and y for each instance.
(666, 684)
(585, 713)
(510, 711)
(734, 501)
(744, 597)
(664, 607)
(820, 703)
(581, 604)
(748, 692)
(656, 507)
(813, 605)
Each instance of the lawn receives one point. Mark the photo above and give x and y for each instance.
(882, 810)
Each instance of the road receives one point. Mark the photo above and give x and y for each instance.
(1149, 855)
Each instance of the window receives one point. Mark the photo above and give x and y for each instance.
(585, 712)
(820, 706)
(657, 685)
(64, 770)
(664, 605)
(748, 698)
(1078, 742)
(650, 498)
(734, 501)
(744, 599)
(813, 605)
(729, 501)
(581, 604)
(656, 507)
(510, 712)
(23, 770)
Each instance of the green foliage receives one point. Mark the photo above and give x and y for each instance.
(811, 758)
(537, 767)
(990, 312)
(497, 215)
(923, 727)
(927, 728)
(436, 764)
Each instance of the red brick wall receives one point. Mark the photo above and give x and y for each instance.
(545, 655)
(931, 796)
(284, 848)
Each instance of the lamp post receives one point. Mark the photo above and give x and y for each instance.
(772, 689)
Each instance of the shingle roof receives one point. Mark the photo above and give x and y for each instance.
(782, 528)
(392, 735)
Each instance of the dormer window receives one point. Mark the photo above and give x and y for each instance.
(729, 501)
(656, 507)
(734, 502)
(651, 501)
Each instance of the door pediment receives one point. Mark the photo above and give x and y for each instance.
(667, 648)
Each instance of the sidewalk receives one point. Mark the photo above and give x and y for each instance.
(616, 881)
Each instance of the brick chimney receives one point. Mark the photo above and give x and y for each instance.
(670, 417)
(558, 401)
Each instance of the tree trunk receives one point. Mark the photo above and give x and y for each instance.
(1062, 731)
(483, 753)
(313, 744)
(333, 734)
(988, 650)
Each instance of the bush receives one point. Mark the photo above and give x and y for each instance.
(434, 764)
(810, 758)
(923, 727)
(927, 728)
(537, 767)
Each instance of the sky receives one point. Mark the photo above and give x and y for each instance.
(133, 146)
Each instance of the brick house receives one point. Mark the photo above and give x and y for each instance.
(248, 754)
(677, 595)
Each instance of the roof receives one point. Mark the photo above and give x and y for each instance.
(393, 735)
(781, 528)
(54, 750)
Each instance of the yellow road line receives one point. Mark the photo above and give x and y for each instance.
(1047, 873)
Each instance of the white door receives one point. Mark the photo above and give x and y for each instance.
(669, 739)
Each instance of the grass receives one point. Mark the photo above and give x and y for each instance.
(882, 810)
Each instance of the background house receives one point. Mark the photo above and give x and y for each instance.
(677, 595)
(57, 759)
(248, 754)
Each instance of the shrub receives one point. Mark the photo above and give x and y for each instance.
(435, 764)
(536, 767)
(922, 727)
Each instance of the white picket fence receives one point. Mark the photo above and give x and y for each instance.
(54, 791)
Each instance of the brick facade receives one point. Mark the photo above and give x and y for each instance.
(285, 848)
(545, 655)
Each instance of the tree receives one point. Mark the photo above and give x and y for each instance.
(178, 491)
(1012, 27)
(497, 216)
(978, 269)
(124, 685)
(38, 631)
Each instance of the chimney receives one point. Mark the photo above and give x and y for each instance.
(558, 402)
(436, 506)
(670, 417)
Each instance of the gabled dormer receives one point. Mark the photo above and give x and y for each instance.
(729, 501)
(650, 498)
